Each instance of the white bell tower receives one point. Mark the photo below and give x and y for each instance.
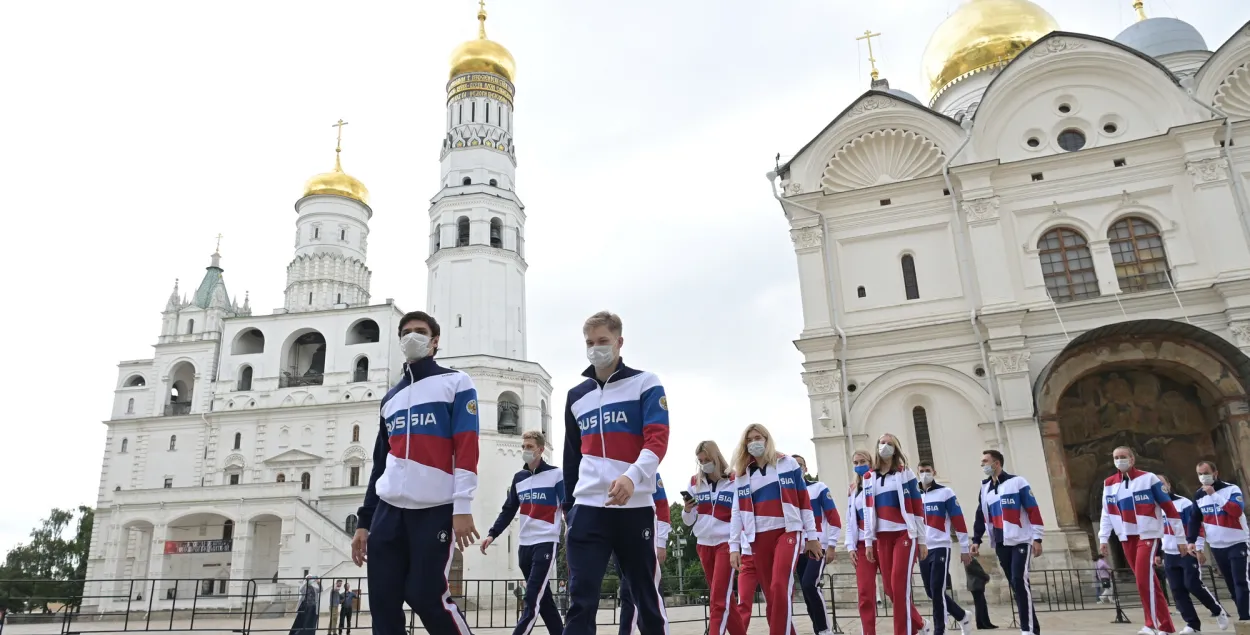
(477, 280)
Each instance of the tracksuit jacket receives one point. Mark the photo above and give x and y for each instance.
(941, 514)
(538, 495)
(892, 502)
(427, 446)
(772, 497)
(1187, 510)
(824, 514)
(1134, 504)
(1014, 517)
(1222, 516)
(714, 504)
(623, 429)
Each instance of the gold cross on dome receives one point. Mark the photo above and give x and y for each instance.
(338, 146)
(867, 36)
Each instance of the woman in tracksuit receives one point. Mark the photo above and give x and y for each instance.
(1136, 509)
(708, 509)
(894, 530)
(1183, 572)
(828, 532)
(770, 521)
(865, 569)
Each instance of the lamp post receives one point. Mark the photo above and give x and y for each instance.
(678, 544)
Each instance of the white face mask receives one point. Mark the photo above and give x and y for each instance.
(528, 455)
(1206, 479)
(414, 346)
(885, 450)
(600, 356)
(708, 468)
(1122, 464)
(987, 470)
(755, 448)
(925, 477)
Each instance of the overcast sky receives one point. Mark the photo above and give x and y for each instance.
(135, 132)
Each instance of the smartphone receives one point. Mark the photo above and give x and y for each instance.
(686, 496)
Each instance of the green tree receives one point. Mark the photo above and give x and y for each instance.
(51, 567)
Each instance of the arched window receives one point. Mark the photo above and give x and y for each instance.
(362, 370)
(509, 421)
(462, 231)
(496, 233)
(494, 183)
(910, 286)
(248, 342)
(125, 442)
(130, 406)
(350, 525)
(920, 423)
(1137, 251)
(356, 434)
(227, 530)
(245, 378)
(281, 477)
(238, 440)
(1067, 265)
(173, 442)
(305, 481)
(136, 381)
(466, 181)
(364, 332)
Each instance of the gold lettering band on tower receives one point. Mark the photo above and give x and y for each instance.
(480, 85)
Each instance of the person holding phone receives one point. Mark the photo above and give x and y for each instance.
(894, 530)
(707, 508)
(769, 524)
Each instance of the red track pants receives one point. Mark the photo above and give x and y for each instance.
(771, 564)
(719, 582)
(866, 586)
(896, 555)
(1141, 557)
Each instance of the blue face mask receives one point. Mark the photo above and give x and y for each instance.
(861, 470)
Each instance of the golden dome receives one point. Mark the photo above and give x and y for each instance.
(337, 183)
(482, 55)
(981, 34)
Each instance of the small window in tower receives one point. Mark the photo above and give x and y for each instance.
(861, 292)
(494, 183)
(169, 483)
(173, 442)
(316, 233)
(190, 326)
(459, 321)
(125, 442)
(338, 299)
(234, 479)
(473, 111)
(466, 181)
(130, 407)
(342, 234)
(488, 113)
(310, 297)
(460, 114)
(356, 434)
(238, 440)
(496, 233)
(462, 231)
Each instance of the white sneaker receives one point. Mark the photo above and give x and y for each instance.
(1146, 630)
(927, 629)
(1222, 620)
(965, 625)
(1188, 630)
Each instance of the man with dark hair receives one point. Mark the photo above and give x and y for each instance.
(1015, 521)
(418, 504)
(1222, 521)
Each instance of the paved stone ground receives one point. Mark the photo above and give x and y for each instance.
(1087, 622)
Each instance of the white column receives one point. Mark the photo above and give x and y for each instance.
(1104, 266)
(1025, 454)
(813, 277)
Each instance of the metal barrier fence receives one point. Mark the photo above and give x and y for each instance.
(269, 605)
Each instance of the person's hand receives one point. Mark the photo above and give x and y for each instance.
(689, 506)
(1209, 490)
(620, 491)
(466, 533)
(830, 554)
(661, 554)
(871, 554)
(486, 542)
(1037, 548)
(1202, 556)
(855, 558)
(813, 550)
(1183, 549)
(735, 560)
(924, 552)
(965, 558)
(976, 549)
(360, 547)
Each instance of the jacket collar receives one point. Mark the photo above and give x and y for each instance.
(1003, 477)
(1132, 473)
(622, 371)
(543, 466)
(417, 370)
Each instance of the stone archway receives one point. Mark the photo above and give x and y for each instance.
(1173, 392)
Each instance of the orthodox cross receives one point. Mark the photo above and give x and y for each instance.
(867, 36)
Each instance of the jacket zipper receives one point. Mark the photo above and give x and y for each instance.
(603, 442)
(408, 418)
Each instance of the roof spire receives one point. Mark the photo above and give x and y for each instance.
(868, 35)
(1140, 7)
(338, 145)
(216, 257)
(481, 19)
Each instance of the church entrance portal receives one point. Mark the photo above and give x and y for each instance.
(1173, 392)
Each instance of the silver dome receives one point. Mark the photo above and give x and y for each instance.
(1160, 36)
(902, 94)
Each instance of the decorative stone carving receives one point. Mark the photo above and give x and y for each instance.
(822, 382)
(1013, 362)
(980, 209)
(1055, 210)
(880, 157)
(875, 102)
(1208, 170)
(1233, 95)
(793, 188)
(806, 238)
(1241, 331)
(1057, 45)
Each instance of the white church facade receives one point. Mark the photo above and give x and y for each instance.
(1050, 256)
(242, 449)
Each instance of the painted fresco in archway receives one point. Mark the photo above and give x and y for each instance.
(1167, 420)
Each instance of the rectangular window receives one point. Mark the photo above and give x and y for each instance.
(342, 234)
(354, 479)
(169, 483)
(234, 479)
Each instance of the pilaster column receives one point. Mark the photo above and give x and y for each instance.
(985, 238)
(1235, 414)
(813, 280)
(1104, 266)
(830, 434)
(1057, 469)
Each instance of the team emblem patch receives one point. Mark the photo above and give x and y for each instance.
(664, 402)
(443, 536)
(471, 406)
(646, 534)
(790, 540)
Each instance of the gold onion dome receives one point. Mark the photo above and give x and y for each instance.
(337, 183)
(482, 55)
(981, 34)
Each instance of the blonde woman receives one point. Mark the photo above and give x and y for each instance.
(865, 569)
(769, 524)
(894, 530)
(709, 503)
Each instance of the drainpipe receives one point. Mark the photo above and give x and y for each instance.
(1239, 189)
(965, 268)
(826, 247)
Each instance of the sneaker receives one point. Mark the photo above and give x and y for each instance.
(1222, 620)
(1146, 630)
(1187, 631)
(925, 629)
(965, 625)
